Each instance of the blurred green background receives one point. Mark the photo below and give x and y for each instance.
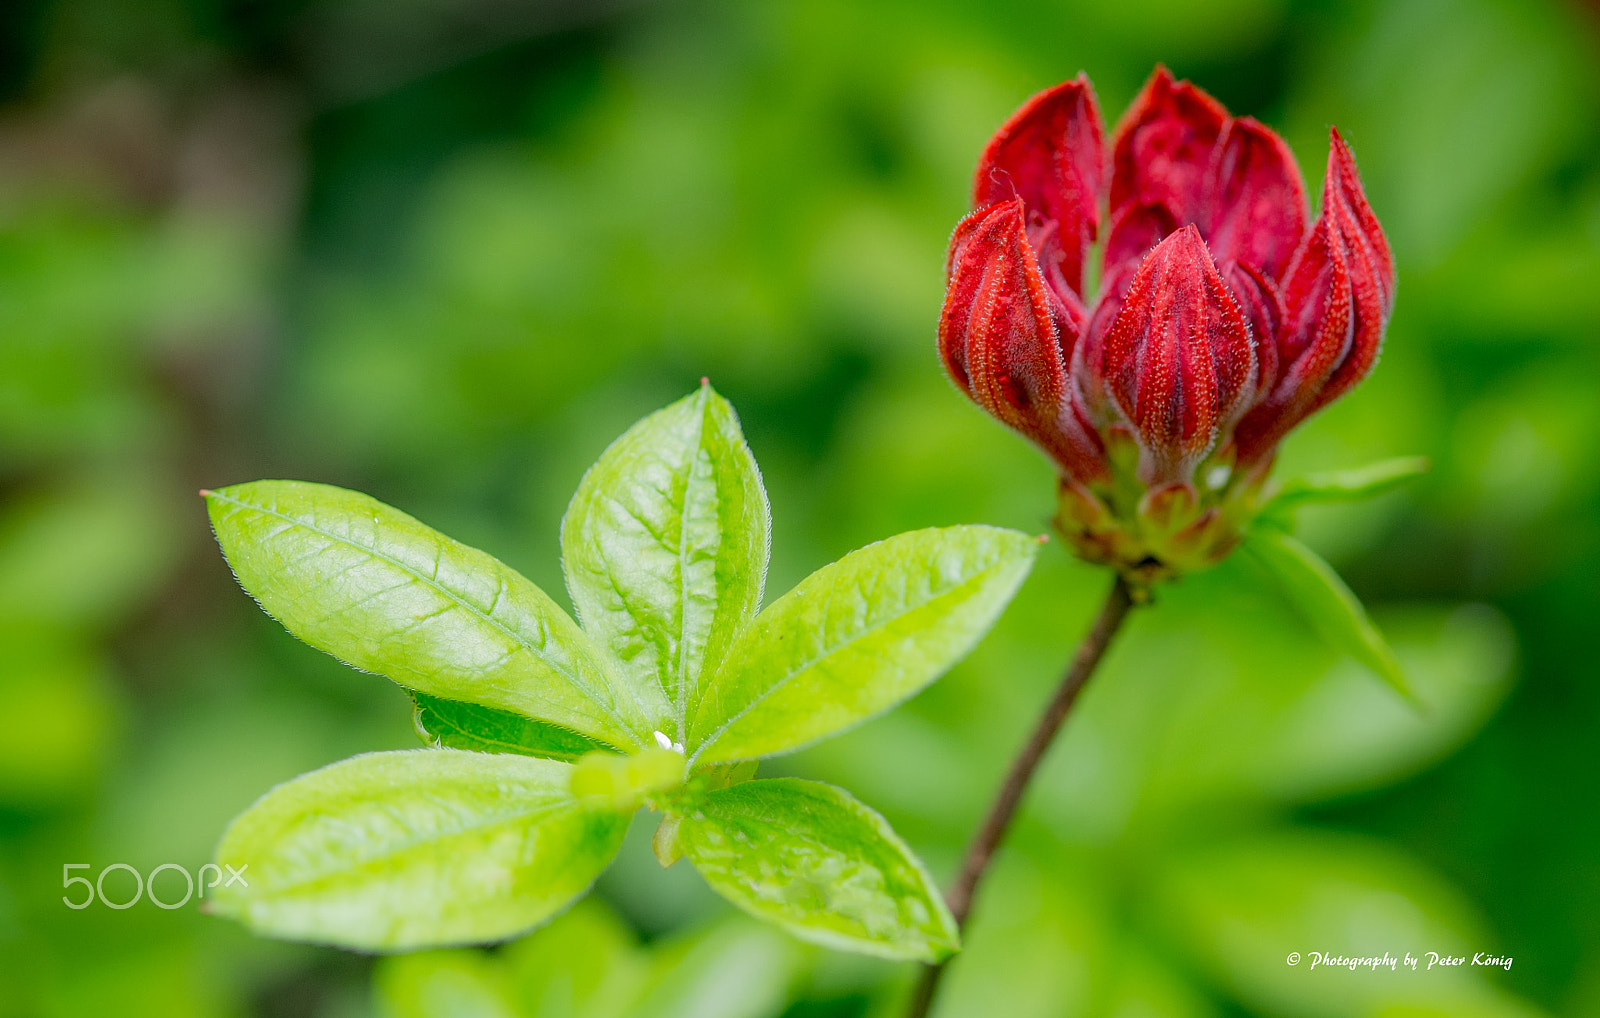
(444, 250)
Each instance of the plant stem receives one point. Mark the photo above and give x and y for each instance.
(1004, 808)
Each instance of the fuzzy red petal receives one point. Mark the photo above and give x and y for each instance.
(1256, 210)
(1263, 309)
(1000, 335)
(1051, 154)
(1162, 151)
(1178, 360)
(1135, 231)
(1337, 298)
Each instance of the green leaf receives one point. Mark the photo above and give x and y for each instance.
(665, 550)
(418, 848)
(857, 637)
(623, 782)
(1346, 485)
(1236, 908)
(453, 725)
(1322, 598)
(586, 964)
(734, 969)
(381, 591)
(443, 984)
(810, 858)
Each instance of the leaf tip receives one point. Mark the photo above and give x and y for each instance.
(205, 492)
(1396, 677)
(943, 951)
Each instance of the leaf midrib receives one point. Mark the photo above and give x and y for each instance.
(515, 637)
(368, 862)
(697, 447)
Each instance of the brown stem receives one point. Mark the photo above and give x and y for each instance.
(1004, 808)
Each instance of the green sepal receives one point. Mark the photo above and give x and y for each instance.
(1323, 599)
(1354, 485)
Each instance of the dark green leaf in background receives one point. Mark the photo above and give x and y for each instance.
(472, 726)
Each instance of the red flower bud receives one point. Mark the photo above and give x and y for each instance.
(1179, 360)
(1003, 333)
(1220, 323)
(1337, 297)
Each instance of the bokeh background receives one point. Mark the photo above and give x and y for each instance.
(444, 250)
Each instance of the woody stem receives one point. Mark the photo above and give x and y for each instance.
(980, 853)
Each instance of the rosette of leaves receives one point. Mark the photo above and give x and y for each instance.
(547, 735)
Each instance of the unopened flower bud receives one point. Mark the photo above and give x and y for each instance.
(1219, 324)
(1178, 360)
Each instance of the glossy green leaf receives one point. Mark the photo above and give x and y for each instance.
(857, 637)
(1322, 598)
(665, 550)
(813, 860)
(381, 591)
(419, 848)
(1366, 482)
(453, 725)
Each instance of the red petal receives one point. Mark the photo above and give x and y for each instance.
(1178, 360)
(1163, 146)
(1257, 211)
(1135, 231)
(1001, 338)
(1051, 155)
(1263, 309)
(1338, 296)
(1345, 180)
